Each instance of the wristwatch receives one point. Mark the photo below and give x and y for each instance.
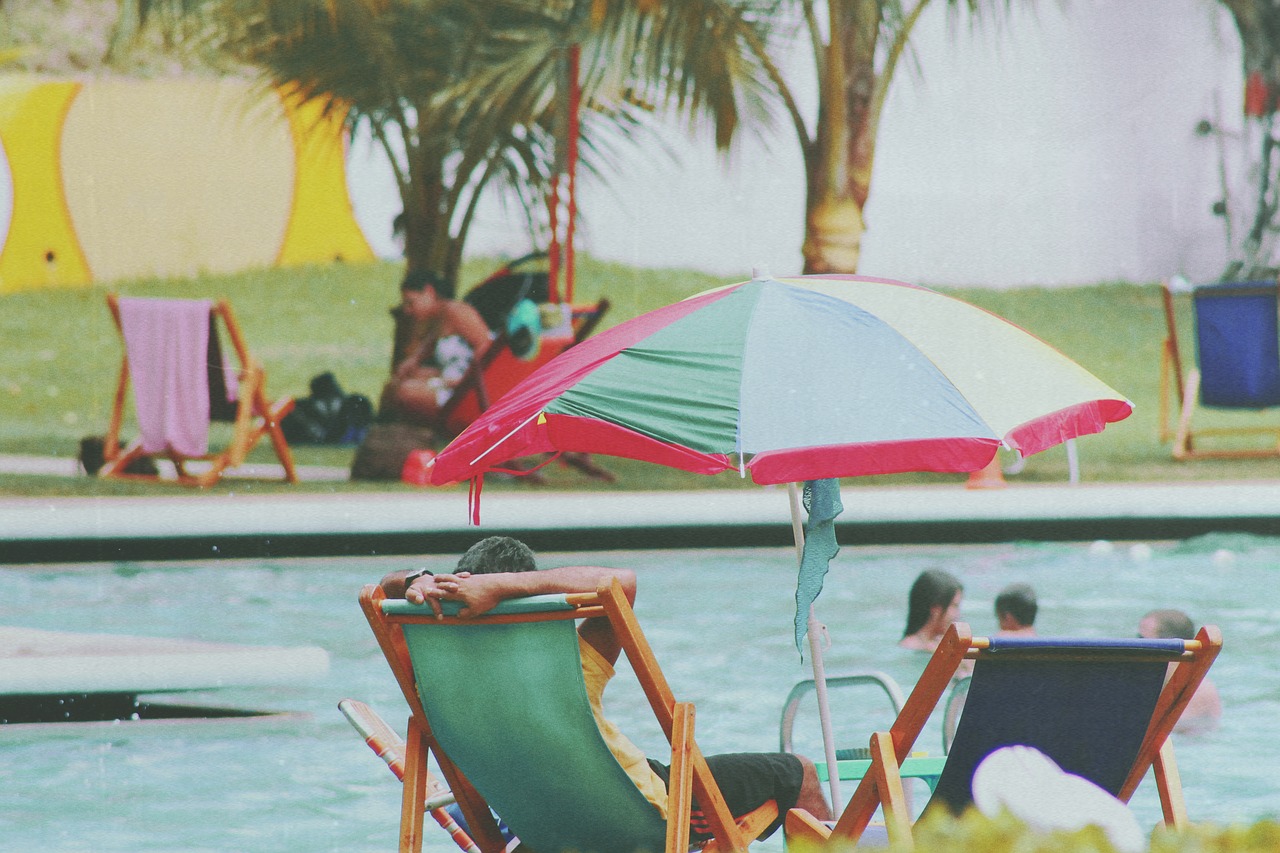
(414, 575)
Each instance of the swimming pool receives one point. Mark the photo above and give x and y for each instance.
(720, 622)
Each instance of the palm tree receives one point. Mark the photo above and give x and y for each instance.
(856, 48)
(465, 96)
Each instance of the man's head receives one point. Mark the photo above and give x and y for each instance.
(1018, 602)
(1166, 625)
(497, 554)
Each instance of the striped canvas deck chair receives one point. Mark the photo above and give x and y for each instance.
(173, 358)
(1100, 709)
(1236, 369)
(499, 702)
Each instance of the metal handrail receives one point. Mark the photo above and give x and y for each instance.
(868, 677)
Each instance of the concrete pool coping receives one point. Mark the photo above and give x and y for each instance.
(203, 526)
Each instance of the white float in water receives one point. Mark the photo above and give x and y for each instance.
(1140, 552)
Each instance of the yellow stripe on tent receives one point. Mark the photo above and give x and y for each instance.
(40, 248)
(322, 223)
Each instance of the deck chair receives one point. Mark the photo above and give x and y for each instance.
(499, 702)
(1101, 709)
(173, 356)
(1237, 367)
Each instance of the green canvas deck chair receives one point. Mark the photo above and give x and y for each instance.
(1236, 369)
(499, 702)
(1101, 709)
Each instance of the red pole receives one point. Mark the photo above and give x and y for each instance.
(553, 250)
(575, 97)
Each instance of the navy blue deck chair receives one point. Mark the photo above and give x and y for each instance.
(1101, 709)
(1237, 334)
(499, 701)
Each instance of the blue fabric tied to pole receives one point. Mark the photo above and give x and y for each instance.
(822, 502)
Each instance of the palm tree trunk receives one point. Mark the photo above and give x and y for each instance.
(838, 164)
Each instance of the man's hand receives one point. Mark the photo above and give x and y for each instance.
(477, 593)
(428, 589)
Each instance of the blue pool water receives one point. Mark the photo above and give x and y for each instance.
(720, 622)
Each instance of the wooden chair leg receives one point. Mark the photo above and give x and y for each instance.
(680, 786)
(1182, 441)
(888, 776)
(1169, 785)
(278, 441)
(412, 804)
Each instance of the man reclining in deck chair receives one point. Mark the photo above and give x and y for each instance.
(499, 568)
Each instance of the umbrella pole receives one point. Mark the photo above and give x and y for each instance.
(815, 658)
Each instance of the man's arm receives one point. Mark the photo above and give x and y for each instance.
(392, 583)
(480, 593)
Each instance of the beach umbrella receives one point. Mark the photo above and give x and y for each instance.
(796, 380)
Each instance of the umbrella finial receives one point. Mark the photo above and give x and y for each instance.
(760, 273)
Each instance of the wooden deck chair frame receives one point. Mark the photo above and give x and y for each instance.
(882, 785)
(255, 417)
(1179, 395)
(690, 777)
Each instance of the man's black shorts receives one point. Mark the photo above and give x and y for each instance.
(748, 780)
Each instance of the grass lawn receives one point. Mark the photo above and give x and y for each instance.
(58, 377)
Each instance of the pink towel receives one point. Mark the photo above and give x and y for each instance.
(167, 342)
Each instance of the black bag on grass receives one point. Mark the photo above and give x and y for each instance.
(328, 416)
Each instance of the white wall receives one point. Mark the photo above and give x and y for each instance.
(1057, 149)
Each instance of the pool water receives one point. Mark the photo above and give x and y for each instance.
(720, 623)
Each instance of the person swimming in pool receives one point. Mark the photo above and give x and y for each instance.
(932, 605)
(1205, 708)
(1016, 611)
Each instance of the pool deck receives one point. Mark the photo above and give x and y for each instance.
(190, 525)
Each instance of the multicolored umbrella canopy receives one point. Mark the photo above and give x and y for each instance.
(797, 379)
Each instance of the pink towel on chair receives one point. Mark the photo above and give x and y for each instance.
(167, 342)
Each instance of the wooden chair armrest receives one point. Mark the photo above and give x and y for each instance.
(804, 832)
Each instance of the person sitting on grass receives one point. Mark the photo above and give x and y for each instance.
(450, 333)
(499, 568)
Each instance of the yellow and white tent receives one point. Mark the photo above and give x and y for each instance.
(118, 178)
